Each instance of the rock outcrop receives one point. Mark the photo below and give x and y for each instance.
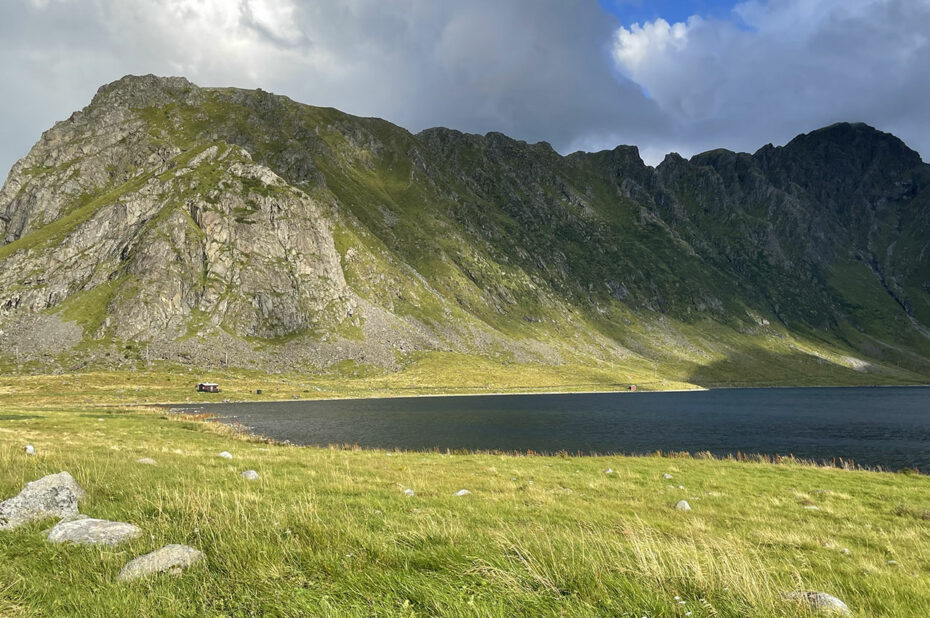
(55, 495)
(89, 531)
(170, 559)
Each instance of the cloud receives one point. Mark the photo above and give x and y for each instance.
(535, 69)
(785, 66)
(564, 72)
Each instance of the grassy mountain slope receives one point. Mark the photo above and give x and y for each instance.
(170, 223)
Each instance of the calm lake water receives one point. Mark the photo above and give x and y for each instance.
(887, 427)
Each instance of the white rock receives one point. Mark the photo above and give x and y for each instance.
(146, 460)
(170, 558)
(846, 551)
(683, 505)
(93, 532)
(811, 507)
(226, 455)
(821, 601)
(250, 475)
(409, 493)
(463, 492)
(30, 450)
(666, 476)
(55, 495)
(609, 471)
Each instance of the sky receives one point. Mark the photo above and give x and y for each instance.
(665, 75)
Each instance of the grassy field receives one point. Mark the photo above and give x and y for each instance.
(445, 374)
(330, 531)
(425, 373)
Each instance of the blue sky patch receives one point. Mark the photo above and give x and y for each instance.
(639, 11)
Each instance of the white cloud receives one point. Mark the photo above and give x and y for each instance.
(786, 66)
(635, 46)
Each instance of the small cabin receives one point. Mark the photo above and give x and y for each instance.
(208, 387)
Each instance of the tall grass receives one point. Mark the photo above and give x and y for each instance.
(328, 531)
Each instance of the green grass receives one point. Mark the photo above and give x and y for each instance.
(329, 531)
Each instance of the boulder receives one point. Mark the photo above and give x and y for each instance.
(88, 531)
(821, 601)
(169, 559)
(30, 450)
(55, 495)
(463, 492)
(250, 475)
(146, 460)
(226, 455)
(409, 493)
(666, 476)
(683, 505)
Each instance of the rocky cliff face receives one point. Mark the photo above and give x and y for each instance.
(191, 222)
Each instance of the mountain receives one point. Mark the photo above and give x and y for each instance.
(172, 223)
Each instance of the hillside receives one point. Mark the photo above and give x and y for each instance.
(171, 224)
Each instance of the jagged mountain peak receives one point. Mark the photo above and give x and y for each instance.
(857, 140)
(144, 91)
(856, 146)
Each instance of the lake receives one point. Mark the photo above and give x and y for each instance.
(886, 427)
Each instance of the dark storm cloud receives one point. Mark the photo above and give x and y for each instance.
(534, 69)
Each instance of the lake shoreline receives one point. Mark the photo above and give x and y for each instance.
(699, 389)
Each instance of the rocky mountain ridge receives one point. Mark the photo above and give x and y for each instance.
(204, 225)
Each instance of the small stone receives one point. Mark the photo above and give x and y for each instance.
(609, 471)
(811, 507)
(681, 487)
(846, 551)
(170, 558)
(463, 492)
(821, 601)
(250, 475)
(892, 563)
(409, 493)
(146, 460)
(30, 450)
(93, 532)
(666, 476)
(683, 505)
(55, 495)
(226, 455)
